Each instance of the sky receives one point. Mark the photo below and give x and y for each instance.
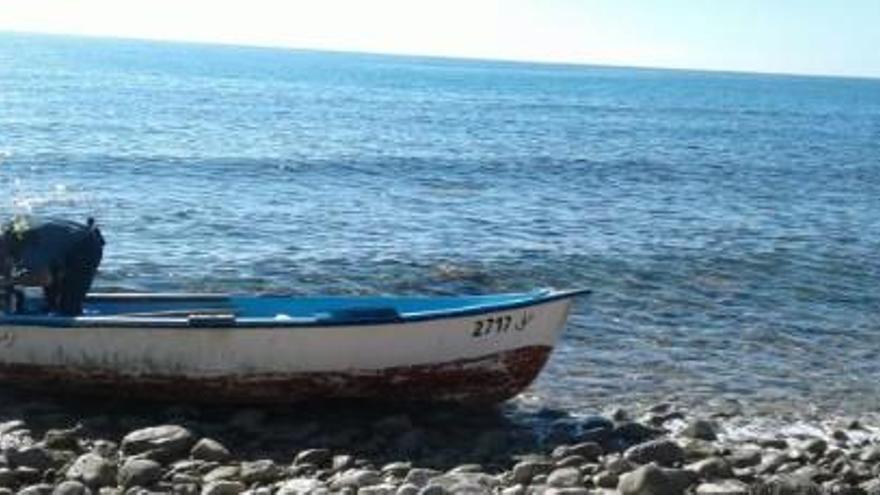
(826, 37)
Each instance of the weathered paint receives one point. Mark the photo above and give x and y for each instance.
(436, 360)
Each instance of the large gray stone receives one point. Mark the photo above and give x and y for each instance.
(38, 489)
(712, 468)
(93, 470)
(139, 472)
(71, 488)
(653, 480)
(524, 471)
(664, 452)
(590, 451)
(725, 487)
(700, 429)
(420, 476)
(565, 478)
(466, 482)
(166, 443)
(262, 471)
(356, 478)
(33, 456)
(208, 449)
(315, 457)
(223, 487)
(301, 486)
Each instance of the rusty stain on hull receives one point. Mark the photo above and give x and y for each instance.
(487, 379)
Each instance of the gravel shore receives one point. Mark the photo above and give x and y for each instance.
(70, 448)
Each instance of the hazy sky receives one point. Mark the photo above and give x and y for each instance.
(798, 36)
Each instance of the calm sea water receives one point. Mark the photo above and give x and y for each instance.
(729, 224)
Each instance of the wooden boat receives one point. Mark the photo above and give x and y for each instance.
(272, 349)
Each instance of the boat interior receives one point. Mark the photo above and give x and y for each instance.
(226, 310)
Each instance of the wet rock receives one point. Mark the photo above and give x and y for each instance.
(653, 480)
(8, 427)
(39, 489)
(523, 472)
(301, 486)
(712, 468)
(8, 478)
(773, 443)
(465, 482)
(619, 465)
(590, 451)
(63, 439)
(93, 470)
(514, 490)
(664, 452)
(222, 473)
(565, 477)
(167, 442)
(635, 433)
(356, 478)
(700, 429)
(745, 457)
(28, 475)
(139, 472)
(407, 489)
(262, 471)
(223, 487)
(606, 479)
(383, 489)
(208, 449)
(342, 462)
(34, 456)
(567, 491)
(570, 461)
(695, 449)
(786, 485)
(726, 487)
(71, 488)
(105, 448)
(420, 476)
(870, 454)
(815, 446)
(315, 457)
(6, 491)
(466, 468)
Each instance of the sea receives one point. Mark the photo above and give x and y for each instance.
(728, 224)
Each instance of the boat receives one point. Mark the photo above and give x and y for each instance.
(217, 348)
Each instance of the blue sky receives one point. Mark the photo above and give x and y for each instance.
(837, 37)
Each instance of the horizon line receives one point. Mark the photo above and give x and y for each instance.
(464, 58)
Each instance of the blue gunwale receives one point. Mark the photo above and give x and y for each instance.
(443, 307)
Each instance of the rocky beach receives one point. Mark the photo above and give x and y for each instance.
(74, 447)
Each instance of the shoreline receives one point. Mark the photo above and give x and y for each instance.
(70, 447)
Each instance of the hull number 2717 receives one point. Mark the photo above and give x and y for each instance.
(502, 324)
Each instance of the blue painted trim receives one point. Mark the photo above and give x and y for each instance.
(529, 299)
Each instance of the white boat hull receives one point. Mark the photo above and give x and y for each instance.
(484, 357)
